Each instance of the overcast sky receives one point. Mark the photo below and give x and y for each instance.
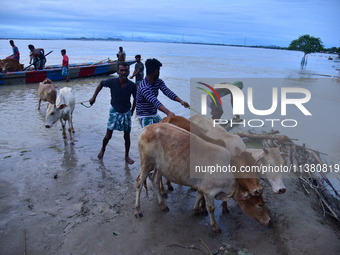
(249, 22)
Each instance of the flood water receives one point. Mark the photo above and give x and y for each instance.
(25, 141)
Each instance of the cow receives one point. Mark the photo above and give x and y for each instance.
(62, 111)
(184, 123)
(233, 143)
(165, 149)
(270, 156)
(10, 65)
(47, 92)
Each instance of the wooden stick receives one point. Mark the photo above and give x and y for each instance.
(264, 136)
(33, 63)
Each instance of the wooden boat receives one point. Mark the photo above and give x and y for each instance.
(54, 72)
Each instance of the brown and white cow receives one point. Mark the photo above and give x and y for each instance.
(62, 111)
(184, 123)
(10, 65)
(165, 149)
(47, 92)
(271, 156)
(233, 143)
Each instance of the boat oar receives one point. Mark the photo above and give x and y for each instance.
(101, 61)
(33, 63)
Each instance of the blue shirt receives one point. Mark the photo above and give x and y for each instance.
(147, 102)
(120, 97)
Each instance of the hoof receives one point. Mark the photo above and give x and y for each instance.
(164, 195)
(225, 212)
(196, 212)
(170, 188)
(204, 213)
(165, 209)
(138, 215)
(217, 231)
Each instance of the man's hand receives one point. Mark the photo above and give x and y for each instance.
(92, 100)
(170, 114)
(185, 104)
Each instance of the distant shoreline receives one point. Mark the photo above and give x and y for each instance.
(275, 47)
(119, 39)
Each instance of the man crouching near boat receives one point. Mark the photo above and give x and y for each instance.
(38, 57)
(121, 89)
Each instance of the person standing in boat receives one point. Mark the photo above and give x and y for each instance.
(38, 57)
(16, 53)
(139, 70)
(121, 54)
(65, 66)
(216, 109)
(147, 93)
(121, 110)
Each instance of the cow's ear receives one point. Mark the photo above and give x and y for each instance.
(266, 150)
(62, 106)
(241, 193)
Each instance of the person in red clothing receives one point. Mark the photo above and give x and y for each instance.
(65, 69)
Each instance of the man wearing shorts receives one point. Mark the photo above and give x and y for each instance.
(121, 89)
(147, 92)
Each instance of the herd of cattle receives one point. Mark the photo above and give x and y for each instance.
(169, 148)
(10, 65)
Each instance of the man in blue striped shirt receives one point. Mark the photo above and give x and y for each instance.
(147, 92)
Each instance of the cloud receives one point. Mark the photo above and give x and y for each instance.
(219, 21)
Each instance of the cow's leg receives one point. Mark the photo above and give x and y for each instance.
(155, 182)
(146, 167)
(211, 208)
(197, 202)
(170, 187)
(71, 123)
(139, 185)
(63, 128)
(39, 104)
(225, 207)
(70, 130)
(161, 188)
(204, 207)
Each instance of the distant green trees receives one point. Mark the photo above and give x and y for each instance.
(308, 44)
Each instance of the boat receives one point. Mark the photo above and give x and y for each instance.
(53, 72)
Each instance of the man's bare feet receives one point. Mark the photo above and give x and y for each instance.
(129, 161)
(101, 154)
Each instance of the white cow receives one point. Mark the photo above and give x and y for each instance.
(165, 148)
(270, 156)
(62, 111)
(47, 92)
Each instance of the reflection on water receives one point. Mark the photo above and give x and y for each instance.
(69, 159)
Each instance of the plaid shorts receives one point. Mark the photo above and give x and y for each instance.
(145, 121)
(64, 71)
(119, 121)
